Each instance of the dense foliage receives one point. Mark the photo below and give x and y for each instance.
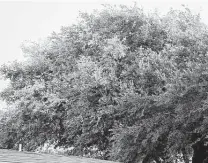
(130, 84)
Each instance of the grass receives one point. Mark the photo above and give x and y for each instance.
(11, 156)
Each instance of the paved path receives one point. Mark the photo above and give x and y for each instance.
(10, 156)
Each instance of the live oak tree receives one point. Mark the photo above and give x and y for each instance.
(130, 84)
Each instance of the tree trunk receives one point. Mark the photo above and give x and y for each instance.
(199, 155)
(185, 155)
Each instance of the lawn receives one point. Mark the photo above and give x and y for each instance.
(11, 156)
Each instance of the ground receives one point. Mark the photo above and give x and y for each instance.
(11, 156)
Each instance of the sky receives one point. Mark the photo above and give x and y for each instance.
(36, 19)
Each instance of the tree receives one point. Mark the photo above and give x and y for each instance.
(126, 83)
